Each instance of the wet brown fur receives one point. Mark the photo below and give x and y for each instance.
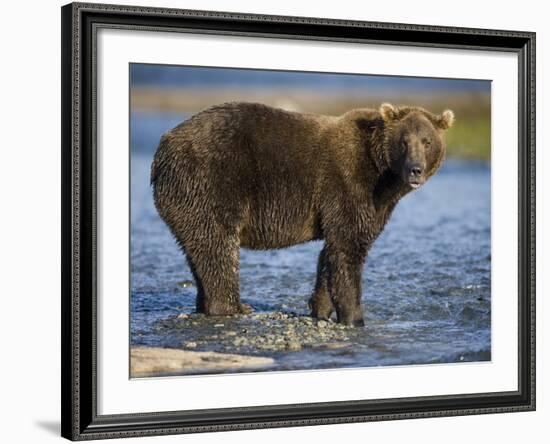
(248, 175)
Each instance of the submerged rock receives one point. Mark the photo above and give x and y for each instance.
(153, 361)
(335, 345)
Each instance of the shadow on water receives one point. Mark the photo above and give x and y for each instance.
(426, 283)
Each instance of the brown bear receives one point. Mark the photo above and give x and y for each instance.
(249, 175)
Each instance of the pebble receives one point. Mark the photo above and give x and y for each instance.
(293, 346)
(335, 345)
(190, 344)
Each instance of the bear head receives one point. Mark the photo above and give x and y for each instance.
(413, 142)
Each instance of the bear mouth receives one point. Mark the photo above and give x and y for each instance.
(414, 184)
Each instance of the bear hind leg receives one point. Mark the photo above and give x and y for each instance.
(320, 303)
(216, 272)
(199, 301)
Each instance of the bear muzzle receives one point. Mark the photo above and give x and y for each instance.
(414, 174)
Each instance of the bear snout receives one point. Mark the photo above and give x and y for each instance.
(413, 173)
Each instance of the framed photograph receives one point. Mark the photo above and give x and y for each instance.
(280, 221)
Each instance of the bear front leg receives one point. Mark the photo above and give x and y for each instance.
(344, 284)
(320, 302)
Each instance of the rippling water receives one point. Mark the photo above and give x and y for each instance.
(426, 282)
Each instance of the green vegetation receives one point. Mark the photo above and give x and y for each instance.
(470, 139)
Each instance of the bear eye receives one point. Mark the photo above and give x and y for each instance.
(405, 144)
(427, 143)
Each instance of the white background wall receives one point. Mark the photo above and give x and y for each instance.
(30, 220)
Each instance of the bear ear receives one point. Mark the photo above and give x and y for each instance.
(446, 119)
(388, 111)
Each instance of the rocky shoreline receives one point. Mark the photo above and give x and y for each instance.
(258, 332)
(194, 343)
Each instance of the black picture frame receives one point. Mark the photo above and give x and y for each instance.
(78, 333)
